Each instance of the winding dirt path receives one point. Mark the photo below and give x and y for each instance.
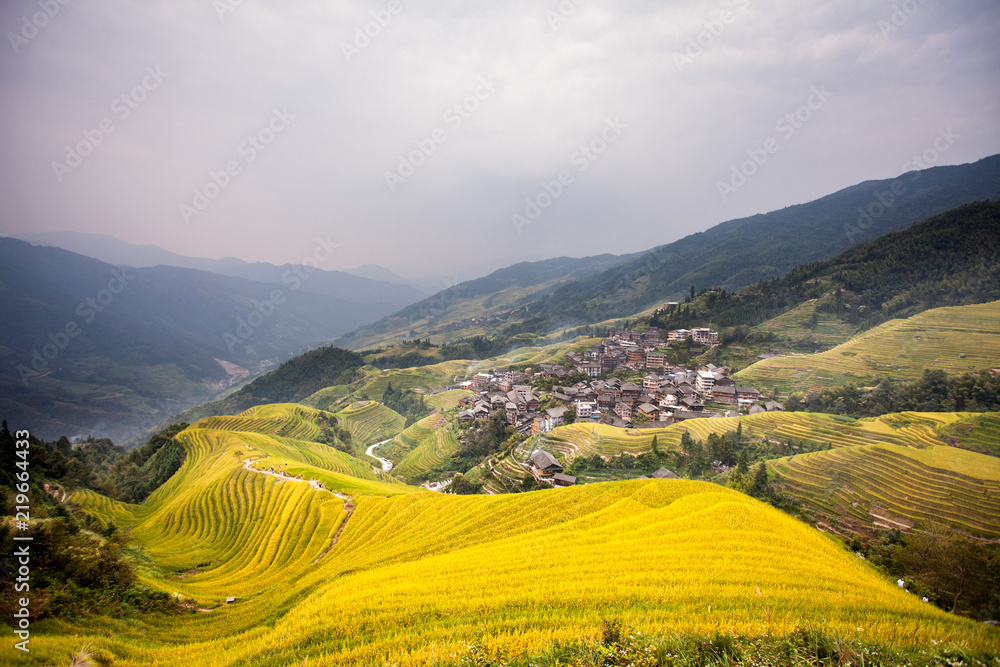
(348, 501)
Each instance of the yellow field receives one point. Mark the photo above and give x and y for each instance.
(446, 400)
(895, 487)
(415, 574)
(956, 339)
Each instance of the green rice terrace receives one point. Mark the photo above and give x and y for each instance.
(892, 486)
(955, 339)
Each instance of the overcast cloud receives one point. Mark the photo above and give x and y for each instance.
(883, 79)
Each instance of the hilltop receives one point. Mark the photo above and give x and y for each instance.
(375, 578)
(954, 339)
(731, 255)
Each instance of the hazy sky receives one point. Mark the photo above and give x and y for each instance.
(485, 101)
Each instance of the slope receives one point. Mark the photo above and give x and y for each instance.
(742, 252)
(416, 575)
(891, 486)
(421, 447)
(88, 347)
(349, 286)
(954, 339)
(476, 306)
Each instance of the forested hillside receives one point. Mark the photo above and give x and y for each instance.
(741, 252)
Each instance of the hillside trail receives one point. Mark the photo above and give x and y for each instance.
(386, 464)
(288, 478)
(348, 501)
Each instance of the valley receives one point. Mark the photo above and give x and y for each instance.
(752, 465)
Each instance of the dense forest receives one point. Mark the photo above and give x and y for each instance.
(936, 391)
(949, 260)
(406, 402)
(98, 464)
(79, 564)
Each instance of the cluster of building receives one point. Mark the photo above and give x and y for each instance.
(674, 395)
(633, 350)
(667, 394)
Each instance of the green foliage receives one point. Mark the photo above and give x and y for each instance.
(936, 391)
(956, 573)
(406, 402)
(644, 463)
(619, 645)
(461, 485)
(129, 476)
(77, 573)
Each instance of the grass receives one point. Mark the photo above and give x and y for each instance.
(370, 422)
(955, 339)
(446, 400)
(888, 485)
(416, 576)
(796, 326)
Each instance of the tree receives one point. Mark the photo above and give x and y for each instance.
(656, 447)
(953, 566)
(570, 415)
(759, 487)
(460, 485)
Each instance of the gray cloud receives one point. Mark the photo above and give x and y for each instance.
(691, 116)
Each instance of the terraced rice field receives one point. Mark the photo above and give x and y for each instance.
(955, 339)
(446, 400)
(370, 422)
(797, 325)
(980, 433)
(415, 575)
(421, 447)
(386, 591)
(918, 429)
(889, 485)
(283, 419)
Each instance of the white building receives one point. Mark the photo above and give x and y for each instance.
(705, 383)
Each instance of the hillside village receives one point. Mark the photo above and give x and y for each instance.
(666, 394)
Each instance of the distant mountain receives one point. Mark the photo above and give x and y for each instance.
(741, 252)
(541, 297)
(951, 259)
(496, 297)
(290, 382)
(376, 272)
(349, 286)
(87, 347)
